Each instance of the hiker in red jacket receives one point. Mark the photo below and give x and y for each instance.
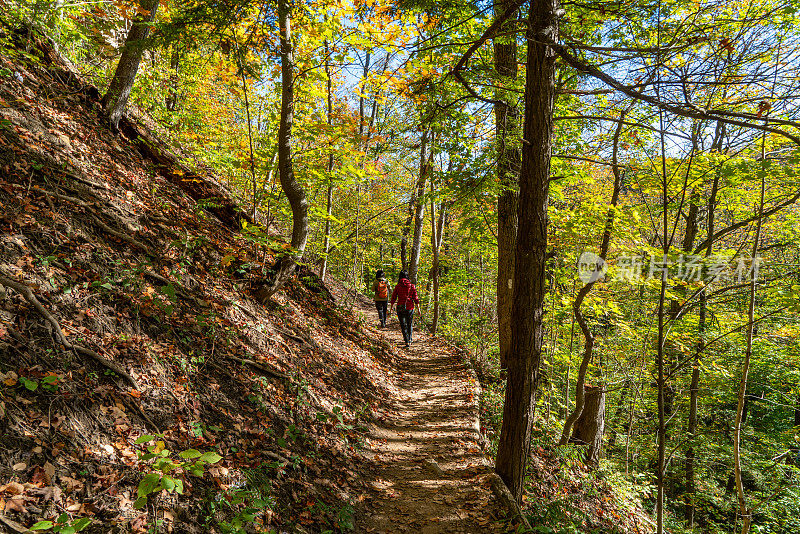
(405, 294)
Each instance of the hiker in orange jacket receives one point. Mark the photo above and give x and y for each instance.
(405, 294)
(381, 289)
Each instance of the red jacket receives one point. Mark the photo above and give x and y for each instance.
(405, 293)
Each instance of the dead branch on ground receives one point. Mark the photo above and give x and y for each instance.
(29, 296)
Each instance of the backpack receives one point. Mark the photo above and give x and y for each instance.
(383, 290)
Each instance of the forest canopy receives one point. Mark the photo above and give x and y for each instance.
(598, 200)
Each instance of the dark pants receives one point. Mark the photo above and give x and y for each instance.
(406, 318)
(381, 306)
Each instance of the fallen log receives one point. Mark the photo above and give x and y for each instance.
(200, 187)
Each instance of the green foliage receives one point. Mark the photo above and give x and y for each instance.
(31, 385)
(245, 505)
(63, 525)
(193, 84)
(339, 517)
(165, 470)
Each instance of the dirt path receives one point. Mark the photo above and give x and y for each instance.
(430, 470)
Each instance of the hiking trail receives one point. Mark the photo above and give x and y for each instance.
(430, 471)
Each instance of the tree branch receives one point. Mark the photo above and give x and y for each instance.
(691, 112)
(28, 295)
(487, 34)
(731, 228)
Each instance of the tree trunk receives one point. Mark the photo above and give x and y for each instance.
(694, 388)
(662, 336)
(425, 165)
(588, 336)
(329, 195)
(744, 509)
(361, 117)
(254, 181)
(797, 412)
(171, 100)
(116, 98)
(437, 229)
(506, 117)
(660, 384)
(527, 331)
(616, 420)
(272, 188)
(291, 187)
(355, 242)
(412, 202)
(590, 425)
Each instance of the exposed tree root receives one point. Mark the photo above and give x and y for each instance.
(286, 271)
(103, 226)
(28, 295)
(180, 289)
(14, 526)
(261, 367)
(290, 335)
(506, 498)
(276, 456)
(138, 409)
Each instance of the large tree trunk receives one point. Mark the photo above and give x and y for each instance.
(591, 424)
(527, 330)
(116, 98)
(506, 117)
(291, 187)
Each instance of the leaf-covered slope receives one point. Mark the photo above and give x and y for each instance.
(134, 271)
(134, 257)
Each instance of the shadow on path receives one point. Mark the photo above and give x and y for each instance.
(429, 469)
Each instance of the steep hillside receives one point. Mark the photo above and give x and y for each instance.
(144, 381)
(129, 308)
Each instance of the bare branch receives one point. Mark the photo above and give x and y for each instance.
(488, 34)
(689, 112)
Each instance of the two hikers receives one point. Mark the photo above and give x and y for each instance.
(380, 288)
(405, 294)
